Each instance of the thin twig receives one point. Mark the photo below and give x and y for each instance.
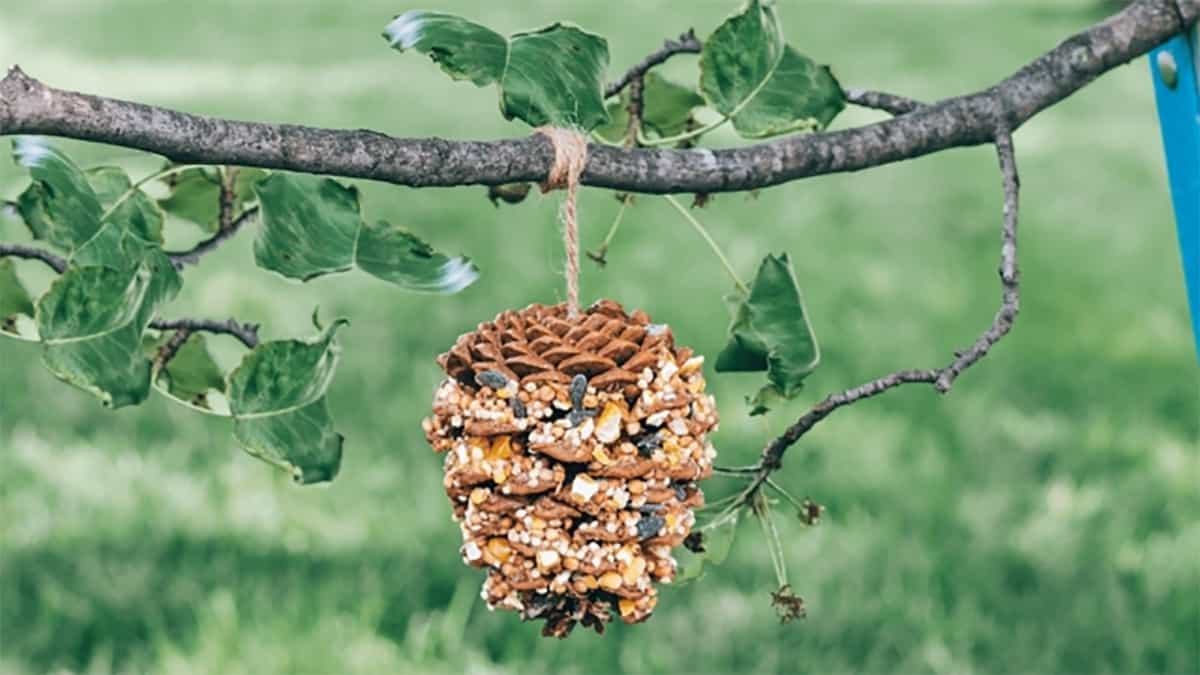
(33, 253)
(636, 109)
(192, 256)
(170, 348)
(686, 43)
(943, 378)
(247, 333)
(1010, 303)
(878, 100)
(226, 198)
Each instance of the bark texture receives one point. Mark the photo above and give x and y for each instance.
(27, 106)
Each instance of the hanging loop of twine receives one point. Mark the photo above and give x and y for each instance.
(570, 156)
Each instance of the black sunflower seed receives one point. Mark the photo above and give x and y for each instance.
(578, 389)
(518, 407)
(680, 491)
(492, 378)
(578, 415)
(649, 526)
(648, 443)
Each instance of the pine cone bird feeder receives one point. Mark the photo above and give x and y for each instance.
(573, 448)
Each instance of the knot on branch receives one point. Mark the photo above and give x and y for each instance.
(16, 83)
(15, 86)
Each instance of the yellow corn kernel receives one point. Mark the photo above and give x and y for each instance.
(671, 448)
(477, 443)
(634, 571)
(671, 519)
(499, 548)
(601, 456)
(590, 581)
(611, 581)
(479, 496)
(691, 365)
(627, 606)
(500, 475)
(501, 448)
(608, 423)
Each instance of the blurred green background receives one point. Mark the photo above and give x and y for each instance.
(1042, 517)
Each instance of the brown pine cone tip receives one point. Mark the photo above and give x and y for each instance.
(573, 450)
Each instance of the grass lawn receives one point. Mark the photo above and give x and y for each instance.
(1043, 517)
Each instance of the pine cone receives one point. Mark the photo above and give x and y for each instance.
(573, 448)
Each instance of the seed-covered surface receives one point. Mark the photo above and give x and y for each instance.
(573, 448)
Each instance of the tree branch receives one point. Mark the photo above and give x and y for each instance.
(170, 348)
(636, 108)
(51, 260)
(226, 197)
(942, 379)
(686, 43)
(1009, 275)
(246, 332)
(29, 107)
(888, 103)
(193, 254)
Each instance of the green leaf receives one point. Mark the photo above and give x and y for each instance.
(195, 195)
(277, 397)
(312, 226)
(394, 254)
(60, 206)
(138, 213)
(64, 206)
(91, 322)
(30, 208)
(667, 109)
(668, 106)
(717, 542)
(771, 332)
(550, 76)
(16, 305)
(191, 375)
(309, 225)
(614, 129)
(748, 73)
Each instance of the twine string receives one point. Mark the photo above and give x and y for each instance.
(570, 156)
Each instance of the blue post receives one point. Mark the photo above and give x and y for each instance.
(1173, 67)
